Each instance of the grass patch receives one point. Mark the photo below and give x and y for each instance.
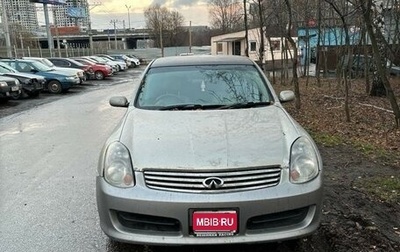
(326, 139)
(386, 189)
(375, 152)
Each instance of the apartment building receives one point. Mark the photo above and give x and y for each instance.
(21, 14)
(73, 13)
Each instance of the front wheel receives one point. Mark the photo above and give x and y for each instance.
(99, 75)
(16, 96)
(54, 87)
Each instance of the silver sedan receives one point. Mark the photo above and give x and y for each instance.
(206, 154)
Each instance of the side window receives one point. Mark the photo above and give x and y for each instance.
(253, 46)
(59, 62)
(23, 67)
(219, 47)
(276, 45)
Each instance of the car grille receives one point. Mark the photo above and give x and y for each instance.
(277, 220)
(236, 180)
(148, 223)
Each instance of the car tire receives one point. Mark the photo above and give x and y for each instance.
(33, 94)
(54, 87)
(98, 75)
(16, 96)
(119, 68)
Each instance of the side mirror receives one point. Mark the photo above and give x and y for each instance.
(286, 96)
(119, 101)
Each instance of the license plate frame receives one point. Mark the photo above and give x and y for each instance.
(214, 223)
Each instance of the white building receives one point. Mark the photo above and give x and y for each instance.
(21, 14)
(234, 44)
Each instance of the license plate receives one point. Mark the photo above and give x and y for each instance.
(14, 88)
(214, 223)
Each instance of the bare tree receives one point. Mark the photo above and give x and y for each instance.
(226, 15)
(295, 61)
(164, 24)
(173, 27)
(372, 14)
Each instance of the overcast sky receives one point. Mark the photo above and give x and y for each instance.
(103, 11)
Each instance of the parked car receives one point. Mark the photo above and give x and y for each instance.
(9, 87)
(100, 60)
(133, 62)
(359, 63)
(121, 65)
(79, 72)
(32, 84)
(207, 154)
(71, 63)
(56, 81)
(101, 71)
(128, 63)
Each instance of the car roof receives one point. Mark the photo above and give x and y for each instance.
(201, 60)
(19, 60)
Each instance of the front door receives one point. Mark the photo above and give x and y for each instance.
(236, 48)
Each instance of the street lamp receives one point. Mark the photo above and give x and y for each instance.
(129, 16)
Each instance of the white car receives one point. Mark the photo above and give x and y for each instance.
(207, 154)
(122, 66)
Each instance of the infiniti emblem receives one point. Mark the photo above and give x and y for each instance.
(213, 183)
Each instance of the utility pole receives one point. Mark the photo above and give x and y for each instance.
(57, 33)
(129, 16)
(190, 37)
(161, 41)
(115, 21)
(49, 37)
(94, 5)
(6, 29)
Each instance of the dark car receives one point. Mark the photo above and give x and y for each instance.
(9, 87)
(32, 84)
(71, 63)
(101, 71)
(361, 63)
(56, 81)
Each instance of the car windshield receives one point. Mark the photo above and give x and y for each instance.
(203, 87)
(6, 69)
(40, 66)
(98, 59)
(47, 62)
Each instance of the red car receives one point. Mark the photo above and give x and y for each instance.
(100, 71)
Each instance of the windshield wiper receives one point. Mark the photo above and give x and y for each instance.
(188, 107)
(245, 105)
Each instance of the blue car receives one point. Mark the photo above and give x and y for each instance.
(56, 81)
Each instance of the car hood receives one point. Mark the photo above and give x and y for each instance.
(24, 75)
(209, 139)
(55, 74)
(67, 70)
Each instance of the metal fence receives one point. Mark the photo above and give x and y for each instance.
(45, 53)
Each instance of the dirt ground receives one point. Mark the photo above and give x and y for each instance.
(361, 166)
(361, 170)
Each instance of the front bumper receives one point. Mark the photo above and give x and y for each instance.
(145, 216)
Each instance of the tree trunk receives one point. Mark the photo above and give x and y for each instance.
(295, 56)
(380, 75)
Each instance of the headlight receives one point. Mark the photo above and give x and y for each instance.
(3, 84)
(303, 161)
(117, 166)
(70, 78)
